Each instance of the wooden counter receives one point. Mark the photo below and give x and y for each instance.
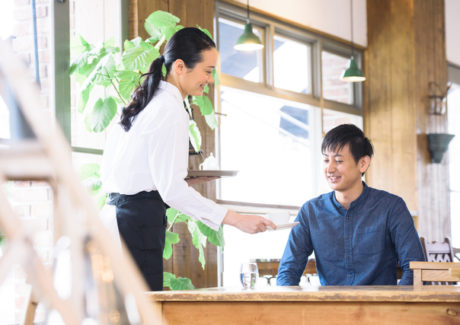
(312, 305)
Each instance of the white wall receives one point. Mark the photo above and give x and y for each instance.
(453, 31)
(330, 16)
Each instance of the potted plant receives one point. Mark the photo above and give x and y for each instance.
(119, 72)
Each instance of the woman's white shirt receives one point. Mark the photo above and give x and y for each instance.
(153, 155)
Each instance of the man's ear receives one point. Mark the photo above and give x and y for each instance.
(364, 163)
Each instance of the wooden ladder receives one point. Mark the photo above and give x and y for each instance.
(95, 256)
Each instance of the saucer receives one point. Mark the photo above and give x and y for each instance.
(283, 226)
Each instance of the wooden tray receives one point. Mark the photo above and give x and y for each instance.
(211, 173)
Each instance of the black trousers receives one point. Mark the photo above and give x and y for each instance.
(142, 222)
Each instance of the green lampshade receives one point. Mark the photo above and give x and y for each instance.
(248, 41)
(353, 73)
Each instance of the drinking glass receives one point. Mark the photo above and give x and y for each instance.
(248, 275)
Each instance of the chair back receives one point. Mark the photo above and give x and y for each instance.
(438, 252)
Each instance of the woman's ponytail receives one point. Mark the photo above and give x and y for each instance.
(143, 94)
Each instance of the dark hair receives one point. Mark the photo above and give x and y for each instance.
(343, 134)
(187, 45)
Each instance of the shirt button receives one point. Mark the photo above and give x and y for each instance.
(348, 257)
(349, 275)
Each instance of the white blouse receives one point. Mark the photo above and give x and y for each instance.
(153, 155)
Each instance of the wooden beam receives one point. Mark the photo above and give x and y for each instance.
(406, 51)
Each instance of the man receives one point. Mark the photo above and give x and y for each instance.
(358, 234)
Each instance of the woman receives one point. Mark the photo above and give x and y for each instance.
(146, 157)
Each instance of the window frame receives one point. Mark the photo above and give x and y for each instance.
(61, 38)
(318, 43)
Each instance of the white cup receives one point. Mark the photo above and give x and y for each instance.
(279, 218)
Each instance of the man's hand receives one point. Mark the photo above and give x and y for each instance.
(248, 223)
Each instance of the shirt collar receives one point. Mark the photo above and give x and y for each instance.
(170, 88)
(361, 198)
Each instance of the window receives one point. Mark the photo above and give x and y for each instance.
(292, 65)
(95, 24)
(245, 65)
(453, 102)
(270, 142)
(335, 89)
(271, 124)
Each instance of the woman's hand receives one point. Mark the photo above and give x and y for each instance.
(248, 223)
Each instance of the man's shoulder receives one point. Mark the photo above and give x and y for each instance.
(318, 201)
(383, 195)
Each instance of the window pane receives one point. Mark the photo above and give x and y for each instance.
(95, 22)
(246, 65)
(269, 141)
(292, 65)
(335, 118)
(334, 88)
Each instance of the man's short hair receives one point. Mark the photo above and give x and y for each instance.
(343, 134)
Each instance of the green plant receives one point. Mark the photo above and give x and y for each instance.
(118, 73)
(105, 66)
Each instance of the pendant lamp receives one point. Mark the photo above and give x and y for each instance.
(248, 41)
(352, 73)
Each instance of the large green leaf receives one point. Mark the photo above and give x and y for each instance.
(104, 71)
(161, 23)
(198, 240)
(204, 103)
(100, 116)
(84, 95)
(211, 120)
(84, 64)
(181, 283)
(214, 237)
(170, 281)
(139, 57)
(195, 135)
(175, 216)
(171, 238)
(89, 170)
(204, 30)
(167, 276)
(127, 82)
(92, 184)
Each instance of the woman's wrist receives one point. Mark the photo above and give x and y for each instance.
(230, 218)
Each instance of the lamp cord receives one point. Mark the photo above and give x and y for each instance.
(351, 28)
(248, 11)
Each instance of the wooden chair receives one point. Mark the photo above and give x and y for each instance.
(440, 258)
(269, 268)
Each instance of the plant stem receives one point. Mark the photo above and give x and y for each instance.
(160, 42)
(174, 220)
(118, 93)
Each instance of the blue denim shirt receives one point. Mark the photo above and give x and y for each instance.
(358, 246)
